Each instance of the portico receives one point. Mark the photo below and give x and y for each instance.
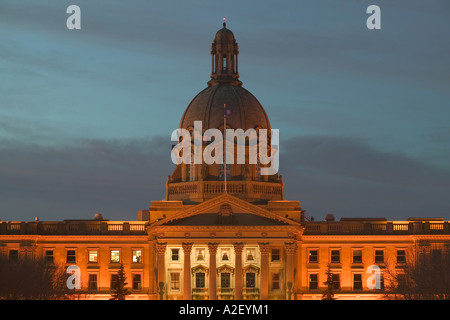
(237, 259)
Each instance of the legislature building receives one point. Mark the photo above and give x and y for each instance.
(226, 231)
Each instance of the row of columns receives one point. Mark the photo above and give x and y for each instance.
(238, 248)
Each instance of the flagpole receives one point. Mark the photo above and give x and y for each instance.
(224, 147)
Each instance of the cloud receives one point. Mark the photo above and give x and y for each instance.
(350, 178)
(116, 178)
(119, 177)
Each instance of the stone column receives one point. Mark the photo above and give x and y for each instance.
(212, 270)
(187, 248)
(238, 279)
(161, 251)
(290, 248)
(264, 276)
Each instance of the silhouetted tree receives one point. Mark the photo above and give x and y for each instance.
(31, 279)
(328, 294)
(120, 292)
(425, 278)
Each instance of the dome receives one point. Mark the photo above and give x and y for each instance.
(208, 105)
(225, 88)
(224, 35)
(194, 182)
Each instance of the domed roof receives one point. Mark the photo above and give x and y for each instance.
(208, 107)
(224, 35)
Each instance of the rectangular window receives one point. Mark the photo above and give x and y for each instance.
(250, 280)
(401, 256)
(357, 281)
(200, 254)
(92, 282)
(313, 281)
(115, 256)
(275, 255)
(379, 282)
(250, 254)
(225, 280)
(93, 256)
(379, 256)
(200, 280)
(335, 256)
(114, 281)
(275, 281)
(401, 278)
(175, 254)
(137, 282)
(313, 256)
(336, 281)
(137, 256)
(175, 281)
(71, 256)
(357, 256)
(13, 255)
(49, 256)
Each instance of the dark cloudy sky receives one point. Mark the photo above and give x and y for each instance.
(86, 116)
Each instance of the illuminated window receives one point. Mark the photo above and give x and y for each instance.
(313, 281)
(93, 256)
(401, 256)
(92, 282)
(275, 281)
(225, 280)
(200, 254)
(357, 281)
(200, 280)
(250, 280)
(313, 256)
(175, 280)
(137, 282)
(357, 256)
(250, 254)
(379, 256)
(275, 255)
(335, 256)
(336, 281)
(137, 256)
(13, 255)
(71, 256)
(225, 254)
(175, 254)
(115, 256)
(49, 256)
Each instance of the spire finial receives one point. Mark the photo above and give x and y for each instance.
(224, 22)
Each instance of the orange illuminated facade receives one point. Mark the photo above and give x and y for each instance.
(245, 241)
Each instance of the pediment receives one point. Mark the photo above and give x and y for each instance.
(225, 210)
